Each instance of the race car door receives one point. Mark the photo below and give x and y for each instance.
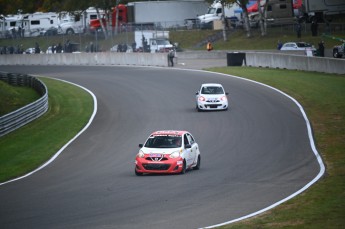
(188, 139)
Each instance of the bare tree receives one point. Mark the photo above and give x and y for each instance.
(262, 10)
(243, 5)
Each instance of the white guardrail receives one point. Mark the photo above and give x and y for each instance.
(26, 114)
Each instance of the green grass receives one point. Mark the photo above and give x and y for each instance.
(24, 150)
(322, 96)
(15, 97)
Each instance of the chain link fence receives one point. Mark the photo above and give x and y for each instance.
(94, 41)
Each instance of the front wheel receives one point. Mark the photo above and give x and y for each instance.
(138, 173)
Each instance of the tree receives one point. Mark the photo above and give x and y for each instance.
(262, 9)
(243, 5)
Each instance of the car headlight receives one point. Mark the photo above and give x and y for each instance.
(202, 98)
(141, 154)
(223, 98)
(175, 154)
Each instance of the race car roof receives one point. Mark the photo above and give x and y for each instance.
(169, 132)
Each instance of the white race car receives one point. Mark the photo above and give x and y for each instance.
(168, 151)
(211, 96)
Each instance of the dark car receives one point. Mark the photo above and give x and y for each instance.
(338, 51)
(50, 32)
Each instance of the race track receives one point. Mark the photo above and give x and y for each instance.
(253, 155)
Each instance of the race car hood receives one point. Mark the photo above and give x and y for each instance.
(213, 96)
(159, 151)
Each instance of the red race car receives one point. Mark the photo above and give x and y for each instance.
(168, 151)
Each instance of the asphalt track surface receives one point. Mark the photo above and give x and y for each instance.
(253, 155)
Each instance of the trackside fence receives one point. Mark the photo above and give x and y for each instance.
(28, 113)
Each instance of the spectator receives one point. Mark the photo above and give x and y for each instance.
(37, 48)
(299, 30)
(314, 27)
(59, 48)
(171, 56)
(209, 46)
(279, 45)
(322, 49)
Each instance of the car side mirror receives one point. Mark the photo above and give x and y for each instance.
(227, 93)
(140, 145)
(188, 146)
(197, 93)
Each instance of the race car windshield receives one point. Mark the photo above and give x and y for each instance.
(212, 90)
(166, 141)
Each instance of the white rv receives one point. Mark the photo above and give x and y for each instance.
(37, 24)
(77, 23)
(8, 25)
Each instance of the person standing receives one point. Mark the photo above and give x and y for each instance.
(314, 28)
(171, 56)
(299, 30)
(37, 48)
(209, 46)
(322, 49)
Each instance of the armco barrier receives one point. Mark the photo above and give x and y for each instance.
(99, 58)
(26, 114)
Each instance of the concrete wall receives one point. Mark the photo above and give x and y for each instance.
(101, 58)
(270, 59)
(298, 62)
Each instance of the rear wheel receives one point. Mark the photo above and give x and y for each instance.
(184, 167)
(197, 167)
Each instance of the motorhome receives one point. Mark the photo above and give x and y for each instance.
(78, 22)
(8, 25)
(37, 24)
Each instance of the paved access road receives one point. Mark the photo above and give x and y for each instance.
(253, 155)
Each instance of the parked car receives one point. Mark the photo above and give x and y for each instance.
(121, 48)
(297, 46)
(211, 96)
(52, 31)
(338, 51)
(168, 151)
(30, 51)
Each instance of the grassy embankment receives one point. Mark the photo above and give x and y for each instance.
(27, 148)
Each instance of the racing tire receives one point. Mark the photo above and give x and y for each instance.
(184, 167)
(197, 167)
(138, 173)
